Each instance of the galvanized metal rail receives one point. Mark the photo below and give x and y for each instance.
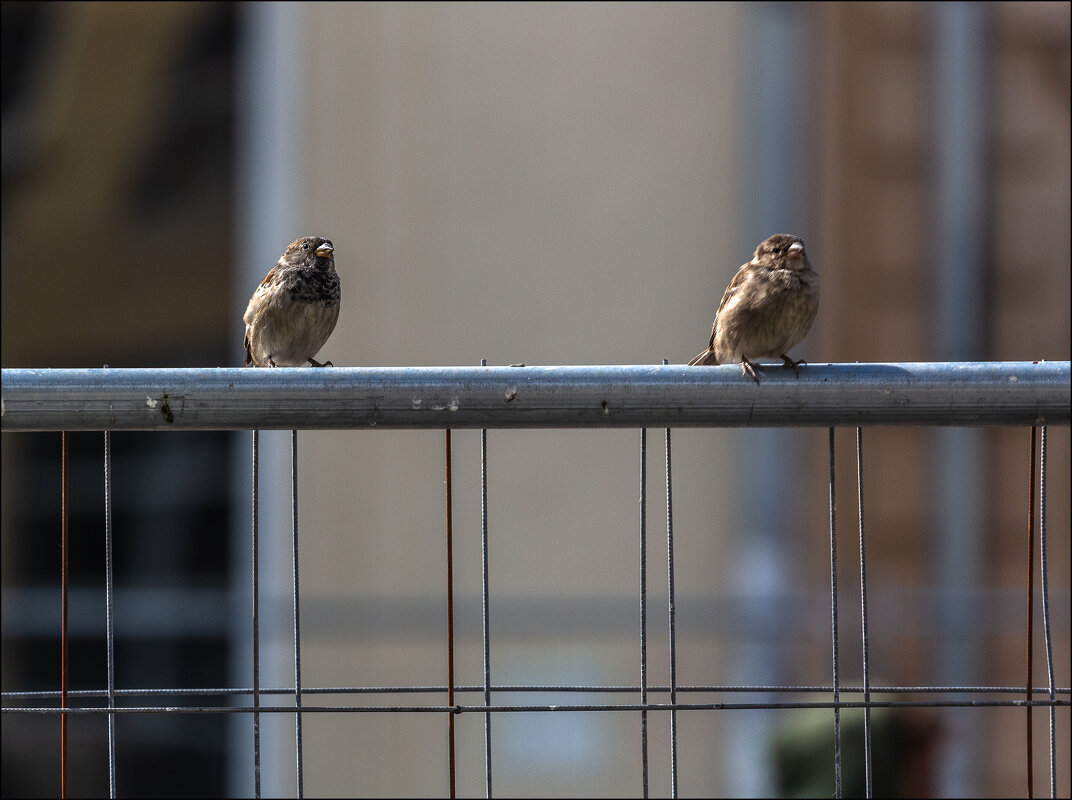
(970, 393)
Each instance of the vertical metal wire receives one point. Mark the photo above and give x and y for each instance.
(450, 616)
(1030, 609)
(834, 624)
(109, 597)
(256, 631)
(863, 611)
(644, 608)
(1046, 632)
(64, 586)
(484, 610)
(673, 634)
(297, 612)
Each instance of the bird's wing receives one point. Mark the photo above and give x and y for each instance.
(252, 307)
(731, 293)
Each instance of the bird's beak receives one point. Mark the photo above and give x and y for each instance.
(796, 250)
(324, 250)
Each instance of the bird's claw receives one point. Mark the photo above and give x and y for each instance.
(749, 368)
(794, 364)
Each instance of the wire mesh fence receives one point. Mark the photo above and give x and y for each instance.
(1029, 395)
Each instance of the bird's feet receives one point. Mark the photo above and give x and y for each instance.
(794, 364)
(749, 368)
(316, 363)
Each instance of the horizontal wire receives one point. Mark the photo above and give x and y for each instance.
(229, 692)
(462, 709)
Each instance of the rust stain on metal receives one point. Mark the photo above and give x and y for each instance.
(165, 408)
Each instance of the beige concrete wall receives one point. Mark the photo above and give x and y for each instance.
(548, 184)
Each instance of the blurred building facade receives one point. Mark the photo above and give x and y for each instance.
(548, 184)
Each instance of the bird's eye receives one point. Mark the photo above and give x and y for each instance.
(305, 246)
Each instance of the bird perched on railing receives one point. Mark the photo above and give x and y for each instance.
(767, 309)
(294, 310)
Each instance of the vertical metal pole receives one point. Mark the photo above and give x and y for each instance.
(270, 72)
(109, 597)
(834, 623)
(644, 608)
(863, 612)
(1030, 609)
(961, 114)
(484, 611)
(450, 616)
(777, 103)
(256, 633)
(64, 585)
(297, 614)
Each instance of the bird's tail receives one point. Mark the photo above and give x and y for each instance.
(706, 358)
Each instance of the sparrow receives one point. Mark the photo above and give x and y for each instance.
(767, 309)
(294, 310)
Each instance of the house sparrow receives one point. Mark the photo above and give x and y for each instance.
(294, 310)
(767, 309)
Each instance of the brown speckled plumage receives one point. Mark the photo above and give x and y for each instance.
(294, 310)
(767, 309)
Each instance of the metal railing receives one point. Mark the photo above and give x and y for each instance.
(662, 396)
(986, 393)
